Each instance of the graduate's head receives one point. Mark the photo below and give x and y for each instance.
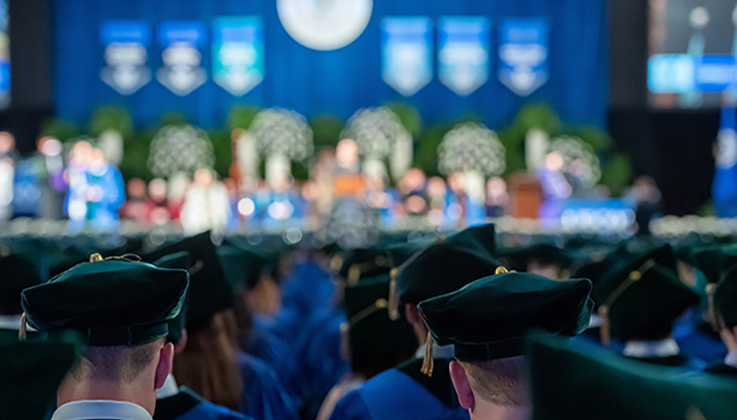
(125, 366)
(646, 303)
(443, 267)
(488, 322)
(122, 307)
(375, 341)
(208, 362)
(501, 382)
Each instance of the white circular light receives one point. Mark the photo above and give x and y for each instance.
(324, 25)
(246, 207)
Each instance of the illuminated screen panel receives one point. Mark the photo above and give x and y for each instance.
(693, 53)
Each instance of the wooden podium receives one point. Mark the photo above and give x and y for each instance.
(525, 196)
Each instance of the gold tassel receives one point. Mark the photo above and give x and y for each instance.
(23, 331)
(501, 270)
(393, 297)
(97, 257)
(710, 310)
(604, 331)
(428, 364)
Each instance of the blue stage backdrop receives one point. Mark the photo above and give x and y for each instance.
(339, 81)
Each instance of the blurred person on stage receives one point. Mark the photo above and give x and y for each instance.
(556, 187)
(497, 198)
(436, 190)
(456, 201)
(138, 206)
(7, 174)
(377, 196)
(646, 196)
(206, 206)
(96, 190)
(50, 164)
(159, 212)
(413, 193)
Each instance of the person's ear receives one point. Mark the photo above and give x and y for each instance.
(412, 313)
(166, 361)
(459, 377)
(182, 343)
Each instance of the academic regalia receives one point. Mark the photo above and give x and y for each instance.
(521, 303)
(98, 297)
(19, 272)
(340, 390)
(403, 393)
(31, 374)
(640, 302)
(278, 355)
(187, 405)
(264, 397)
(698, 339)
(308, 289)
(576, 381)
(322, 363)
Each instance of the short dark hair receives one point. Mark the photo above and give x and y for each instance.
(115, 363)
(500, 381)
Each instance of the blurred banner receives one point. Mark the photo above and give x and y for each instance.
(724, 188)
(181, 70)
(463, 53)
(357, 66)
(238, 53)
(523, 54)
(126, 56)
(406, 53)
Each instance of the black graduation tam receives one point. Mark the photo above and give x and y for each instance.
(364, 263)
(447, 265)
(180, 260)
(578, 381)
(627, 262)
(30, 374)
(714, 260)
(17, 272)
(242, 267)
(725, 298)
(491, 317)
(114, 302)
(374, 337)
(210, 292)
(645, 304)
(518, 258)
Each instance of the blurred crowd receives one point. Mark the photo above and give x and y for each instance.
(80, 181)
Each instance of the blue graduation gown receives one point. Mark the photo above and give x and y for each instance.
(322, 363)
(308, 289)
(697, 338)
(279, 356)
(264, 397)
(403, 393)
(186, 405)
